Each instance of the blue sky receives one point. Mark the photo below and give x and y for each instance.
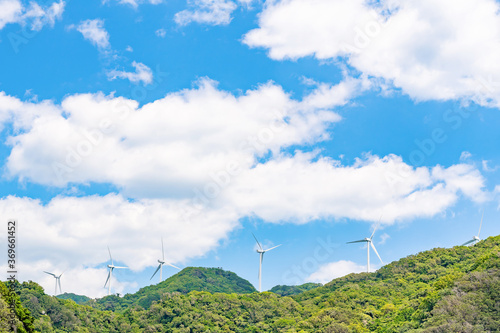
(202, 122)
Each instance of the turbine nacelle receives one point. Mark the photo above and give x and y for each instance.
(261, 252)
(161, 263)
(369, 243)
(475, 239)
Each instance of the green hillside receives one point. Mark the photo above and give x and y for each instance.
(212, 280)
(294, 290)
(442, 290)
(79, 299)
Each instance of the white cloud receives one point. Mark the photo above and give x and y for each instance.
(165, 147)
(213, 12)
(10, 12)
(93, 31)
(142, 74)
(129, 49)
(161, 33)
(383, 238)
(207, 140)
(465, 156)
(431, 49)
(305, 187)
(13, 11)
(333, 270)
(52, 236)
(40, 16)
(487, 168)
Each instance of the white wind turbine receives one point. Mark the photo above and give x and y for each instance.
(58, 281)
(110, 274)
(261, 251)
(162, 262)
(369, 243)
(476, 239)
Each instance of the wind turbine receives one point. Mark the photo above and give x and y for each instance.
(369, 243)
(110, 274)
(261, 251)
(162, 262)
(58, 281)
(476, 239)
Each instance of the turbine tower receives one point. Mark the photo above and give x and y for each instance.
(110, 274)
(261, 252)
(58, 281)
(369, 243)
(476, 239)
(162, 262)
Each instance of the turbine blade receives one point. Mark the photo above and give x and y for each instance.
(50, 273)
(109, 274)
(119, 267)
(110, 257)
(376, 226)
(157, 269)
(468, 242)
(257, 241)
(374, 249)
(358, 241)
(272, 248)
(480, 225)
(162, 250)
(172, 265)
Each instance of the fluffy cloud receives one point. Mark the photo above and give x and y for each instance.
(10, 11)
(73, 233)
(93, 31)
(432, 50)
(142, 74)
(305, 187)
(165, 147)
(333, 270)
(217, 148)
(213, 12)
(13, 11)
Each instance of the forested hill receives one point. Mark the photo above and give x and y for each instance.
(442, 290)
(294, 290)
(212, 280)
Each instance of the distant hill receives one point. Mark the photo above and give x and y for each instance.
(212, 280)
(79, 299)
(294, 290)
(441, 290)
